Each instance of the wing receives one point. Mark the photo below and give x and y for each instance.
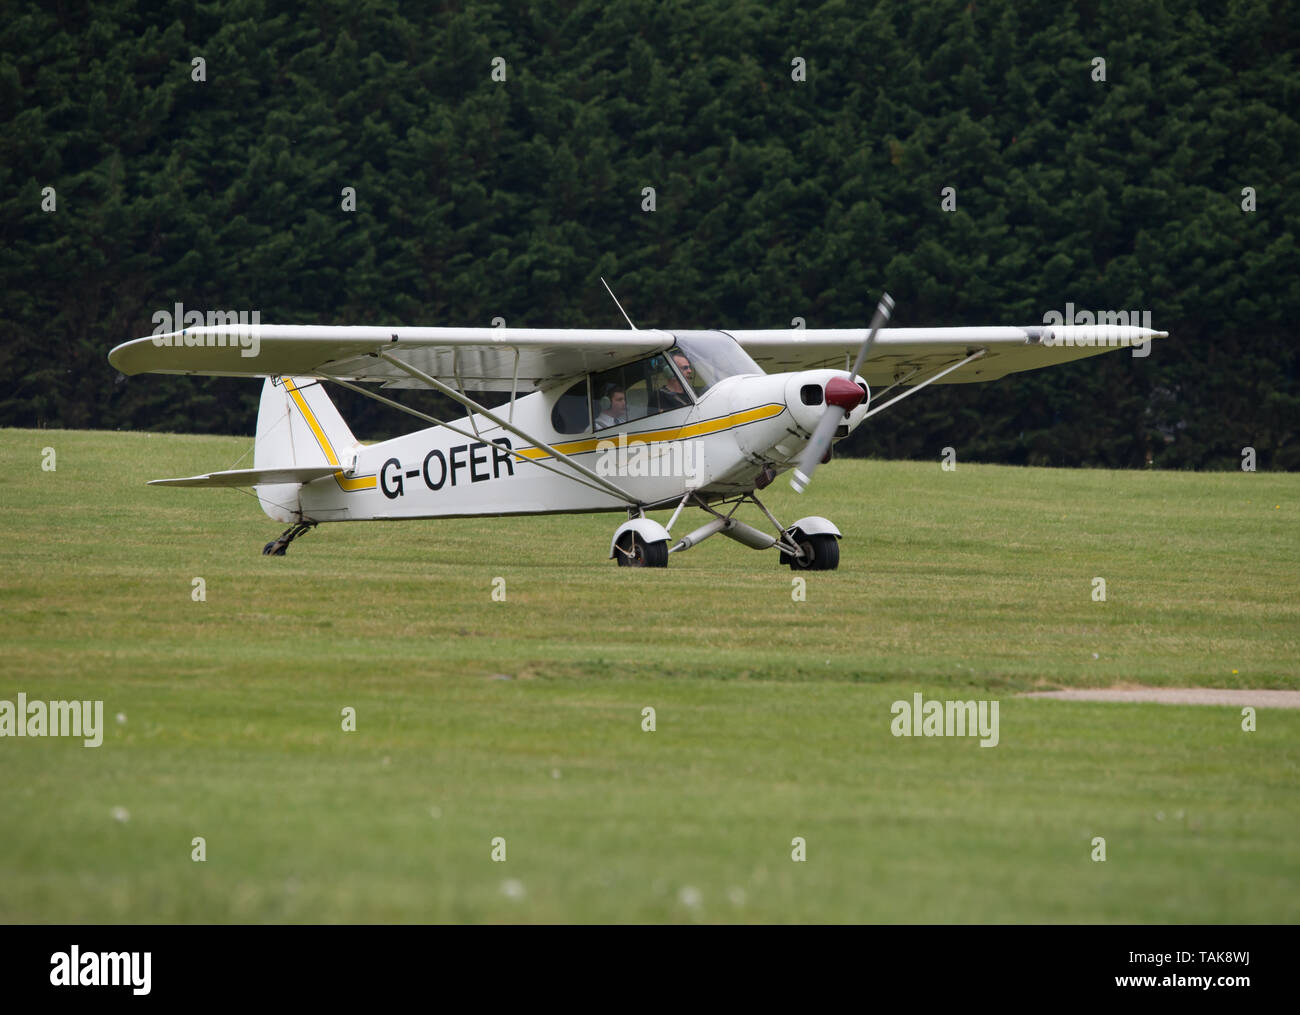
(902, 353)
(484, 359)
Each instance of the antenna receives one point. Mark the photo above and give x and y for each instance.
(617, 303)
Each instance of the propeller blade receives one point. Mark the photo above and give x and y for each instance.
(816, 449)
(883, 311)
(842, 397)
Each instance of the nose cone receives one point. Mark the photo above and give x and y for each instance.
(824, 388)
(843, 393)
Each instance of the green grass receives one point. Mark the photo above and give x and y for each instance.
(773, 715)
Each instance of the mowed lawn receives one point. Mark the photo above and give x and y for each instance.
(478, 719)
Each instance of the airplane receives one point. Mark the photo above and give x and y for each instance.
(597, 420)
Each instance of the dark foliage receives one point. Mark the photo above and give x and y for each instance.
(776, 198)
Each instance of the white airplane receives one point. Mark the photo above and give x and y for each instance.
(596, 420)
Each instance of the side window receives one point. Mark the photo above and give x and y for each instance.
(628, 393)
(669, 388)
(620, 395)
(610, 403)
(695, 375)
(638, 398)
(570, 412)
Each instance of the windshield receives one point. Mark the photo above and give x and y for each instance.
(709, 357)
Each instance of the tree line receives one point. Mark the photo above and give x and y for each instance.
(723, 163)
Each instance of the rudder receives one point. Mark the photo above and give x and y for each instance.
(297, 425)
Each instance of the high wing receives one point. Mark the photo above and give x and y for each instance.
(901, 354)
(480, 359)
(492, 359)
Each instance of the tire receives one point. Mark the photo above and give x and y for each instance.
(821, 553)
(636, 552)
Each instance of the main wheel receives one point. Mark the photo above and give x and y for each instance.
(820, 553)
(633, 551)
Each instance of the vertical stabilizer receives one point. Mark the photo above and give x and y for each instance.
(297, 424)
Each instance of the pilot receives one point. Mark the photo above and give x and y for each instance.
(672, 395)
(616, 412)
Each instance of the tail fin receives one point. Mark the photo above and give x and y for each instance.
(297, 425)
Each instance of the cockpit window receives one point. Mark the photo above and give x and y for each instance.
(570, 412)
(670, 380)
(706, 357)
(636, 390)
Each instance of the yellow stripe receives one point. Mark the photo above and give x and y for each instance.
(345, 484)
(651, 436)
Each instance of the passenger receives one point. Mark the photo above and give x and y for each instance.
(616, 411)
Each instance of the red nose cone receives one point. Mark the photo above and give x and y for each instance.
(843, 394)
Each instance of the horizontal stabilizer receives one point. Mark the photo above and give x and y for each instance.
(253, 477)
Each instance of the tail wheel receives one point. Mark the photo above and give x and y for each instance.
(633, 551)
(820, 553)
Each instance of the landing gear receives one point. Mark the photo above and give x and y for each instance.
(632, 551)
(810, 544)
(278, 546)
(817, 553)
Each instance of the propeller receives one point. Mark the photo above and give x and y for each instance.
(842, 397)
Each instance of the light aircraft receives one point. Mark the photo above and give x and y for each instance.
(596, 420)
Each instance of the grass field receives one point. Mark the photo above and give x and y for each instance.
(522, 719)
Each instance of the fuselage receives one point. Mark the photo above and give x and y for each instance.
(737, 428)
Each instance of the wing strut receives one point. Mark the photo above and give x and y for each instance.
(917, 387)
(457, 430)
(474, 406)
